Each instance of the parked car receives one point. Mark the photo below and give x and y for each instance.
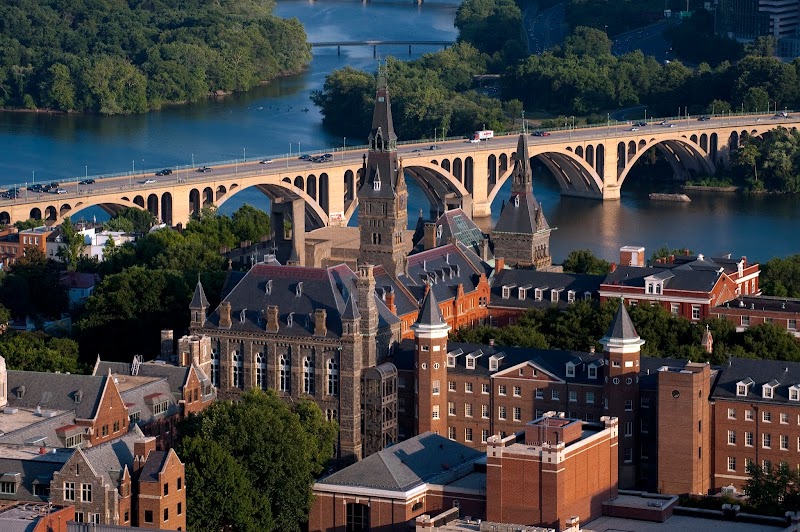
(267, 161)
(304, 157)
(60, 191)
(204, 169)
(641, 123)
(86, 182)
(36, 187)
(667, 124)
(165, 171)
(148, 181)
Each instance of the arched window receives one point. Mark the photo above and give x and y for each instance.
(331, 414)
(308, 375)
(261, 372)
(215, 366)
(237, 369)
(333, 377)
(285, 380)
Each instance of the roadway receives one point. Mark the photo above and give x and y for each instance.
(140, 183)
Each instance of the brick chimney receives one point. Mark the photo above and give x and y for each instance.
(429, 236)
(613, 267)
(141, 450)
(167, 346)
(672, 259)
(320, 328)
(272, 319)
(499, 264)
(390, 301)
(225, 315)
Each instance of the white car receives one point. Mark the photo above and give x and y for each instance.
(267, 161)
(148, 181)
(634, 128)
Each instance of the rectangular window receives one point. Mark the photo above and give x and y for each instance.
(675, 308)
(592, 372)
(590, 398)
(792, 326)
(501, 390)
(451, 386)
(573, 396)
(180, 483)
(517, 413)
(116, 426)
(435, 412)
(554, 394)
(627, 455)
(731, 463)
(8, 488)
(748, 415)
(451, 408)
(159, 408)
(435, 387)
(748, 439)
(166, 514)
(645, 402)
(86, 493)
(784, 442)
(784, 418)
(766, 417)
(484, 388)
(69, 491)
(766, 440)
(539, 393)
(166, 488)
(501, 413)
(41, 490)
(695, 312)
(731, 437)
(731, 413)
(468, 409)
(468, 434)
(484, 435)
(628, 428)
(570, 370)
(485, 411)
(468, 387)
(180, 508)
(628, 405)
(79, 517)
(451, 433)
(517, 391)
(104, 431)
(148, 516)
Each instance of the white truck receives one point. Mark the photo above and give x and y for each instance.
(484, 134)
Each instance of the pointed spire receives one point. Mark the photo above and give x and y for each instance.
(350, 309)
(621, 327)
(382, 136)
(199, 299)
(430, 314)
(522, 178)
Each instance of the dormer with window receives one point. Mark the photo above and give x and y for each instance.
(494, 362)
(452, 356)
(591, 369)
(376, 183)
(507, 290)
(743, 387)
(523, 292)
(471, 358)
(794, 392)
(768, 389)
(539, 292)
(298, 291)
(555, 294)
(570, 296)
(571, 367)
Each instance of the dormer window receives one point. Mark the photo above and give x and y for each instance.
(539, 293)
(470, 362)
(451, 361)
(555, 293)
(242, 315)
(298, 291)
(570, 369)
(523, 292)
(516, 201)
(768, 389)
(571, 296)
(494, 362)
(587, 296)
(376, 183)
(743, 387)
(268, 287)
(592, 372)
(507, 290)
(290, 319)
(794, 392)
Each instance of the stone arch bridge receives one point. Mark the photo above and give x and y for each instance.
(590, 162)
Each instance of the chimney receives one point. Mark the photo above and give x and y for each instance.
(672, 259)
(491, 341)
(686, 251)
(390, 301)
(429, 236)
(167, 345)
(272, 319)
(225, 315)
(141, 450)
(42, 450)
(613, 267)
(499, 264)
(320, 329)
(591, 349)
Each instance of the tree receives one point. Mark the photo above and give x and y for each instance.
(664, 252)
(280, 449)
(220, 495)
(584, 261)
(73, 244)
(772, 490)
(141, 219)
(762, 46)
(119, 223)
(251, 224)
(32, 288)
(30, 223)
(36, 351)
(781, 277)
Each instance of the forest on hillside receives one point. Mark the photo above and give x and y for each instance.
(130, 56)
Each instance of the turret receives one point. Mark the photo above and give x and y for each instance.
(199, 306)
(350, 371)
(430, 338)
(365, 288)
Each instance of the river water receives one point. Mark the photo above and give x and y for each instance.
(278, 118)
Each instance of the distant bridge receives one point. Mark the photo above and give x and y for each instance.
(376, 43)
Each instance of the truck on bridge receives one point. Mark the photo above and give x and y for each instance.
(484, 134)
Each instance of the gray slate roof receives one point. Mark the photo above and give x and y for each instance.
(153, 466)
(455, 223)
(430, 313)
(199, 299)
(382, 163)
(787, 374)
(41, 433)
(578, 282)
(621, 326)
(698, 278)
(176, 376)
(38, 469)
(56, 391)
(522, 214)
(110, 458)
(136, 400)
(405, 465)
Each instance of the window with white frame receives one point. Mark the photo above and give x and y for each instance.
(731, 463)
(766, 416)
(539, 393)
(468, 434)
(554, 394)
(573, 396)
(215, 366)
(748, 415)
(745, 321)
(507, 291)
(792, 325)
(261, 372)
(468, 409)
(451, 361)
(468, 387)
(501, 389)
(570, 296)
(517, 413)
(333, 377)
(308, 375)
(784, 417)
(435, 387)
(794, 393)
(767, 391)
(435, 412)
(695, 312)
(784, 442)
(517, 391)
(451, 408)
(628, 428)
(748, 439)
(628, 405)
(484, 435)
(451, 386)
(237, 369)
(484, 388)
(731, 413)
(451, 433)
(766, 440)
(675, 308)
(86, 493)
(285, 374)
(69, 491)
(570, 370)
(743, 387)
(731, 437)
(470, 363)
(590, 398)
(501, 412)
(485, 411)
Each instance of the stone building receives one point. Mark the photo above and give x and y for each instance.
(522, 235)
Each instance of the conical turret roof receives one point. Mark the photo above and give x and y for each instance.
(430, 314)
(522, 213)
(199, 299)
(621, 327)
(351, 309)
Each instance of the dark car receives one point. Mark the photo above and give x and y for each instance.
(36, 187)
(305, 157)
(165, 171)
(433, 147)
(703, 118)
(86, 182)
(204, 169)
(541, 133)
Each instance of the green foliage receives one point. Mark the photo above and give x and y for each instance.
(127, 57)
(140, 219)
(664, 252)
(491, 27)
(220, 495)
(781, 277)
(73, 244)
(30, 223)
(35, 351)
(32, 288)
(772, 490)
(279, 450)
(584, 261)
(770, 161)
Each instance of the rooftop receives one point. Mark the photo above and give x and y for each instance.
(676, 522)
(21, 418)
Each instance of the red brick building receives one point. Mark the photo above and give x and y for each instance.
(746, 312)
(14, 244)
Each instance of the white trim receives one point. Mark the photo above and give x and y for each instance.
(356, 491)
(643, 296)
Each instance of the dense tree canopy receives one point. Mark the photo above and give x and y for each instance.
(131, 56)
(584, 261)
(781, 277)
(35, 351)
(32, 288)
(278, 449)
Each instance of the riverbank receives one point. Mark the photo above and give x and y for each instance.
(709, 188)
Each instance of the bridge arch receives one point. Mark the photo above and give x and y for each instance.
(51, 213)
(152, 204)
(299, 182)
(311, 186)
(315, 214)
(166, 208)
(36, 213)
(682, 154)
(5, 218)
(139, 200)
(443, 183)
(194, 202)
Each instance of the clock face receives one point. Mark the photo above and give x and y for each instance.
(676, 394)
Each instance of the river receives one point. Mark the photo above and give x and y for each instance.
(278, 118)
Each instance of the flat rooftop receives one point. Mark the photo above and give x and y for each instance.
(22, 517)
(23, 417)
(126, 382)
(676, 522)
(32, 452)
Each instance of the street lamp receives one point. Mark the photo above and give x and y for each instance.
(193, 160)
(244, 155)
(344, 146)
(434, 135)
